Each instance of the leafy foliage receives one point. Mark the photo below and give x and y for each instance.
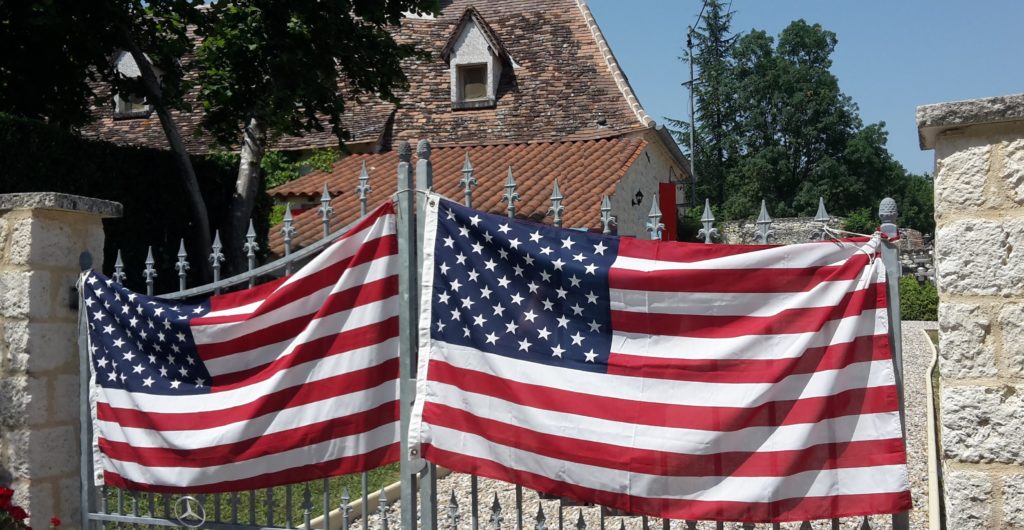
(39, 157)
(773, 124)
(918, 301)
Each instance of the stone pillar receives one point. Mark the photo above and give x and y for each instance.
(979, 252)
(41, 237)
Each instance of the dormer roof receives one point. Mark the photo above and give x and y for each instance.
(471, 15)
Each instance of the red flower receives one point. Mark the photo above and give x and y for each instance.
(55, 521)
(18, 513)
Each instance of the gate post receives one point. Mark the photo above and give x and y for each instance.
(408, 289)
(41, 236)
(424, 182)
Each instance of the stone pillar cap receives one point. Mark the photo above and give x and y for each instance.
(935, 119)
(48, 200)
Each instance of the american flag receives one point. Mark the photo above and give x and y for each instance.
(711, 382)
(288, 381)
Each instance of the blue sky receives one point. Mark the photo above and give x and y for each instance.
(892, 55)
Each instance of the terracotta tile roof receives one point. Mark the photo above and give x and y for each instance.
(586, 171)
(566, 85)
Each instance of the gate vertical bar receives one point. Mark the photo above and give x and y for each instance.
(407, 293)
(887, 213)
(84, 411)
(424, 182)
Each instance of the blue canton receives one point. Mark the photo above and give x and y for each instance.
(141, 343)
(521, 289)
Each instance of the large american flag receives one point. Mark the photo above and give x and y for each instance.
(288, 381)
(713, 382)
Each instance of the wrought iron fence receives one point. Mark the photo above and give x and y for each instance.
(373, 505)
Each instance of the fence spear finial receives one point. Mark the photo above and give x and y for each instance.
(326, 210)
(216, 256)
(468, 181)
(556, 205)
(511, 195)
(119, 274)
(654, 224)
(288, 230)
(763, 226)
(149, 272)
(250, 247)
(182, 265)
(540, 519)
(363, 188)
(823, 218)
(606, 215)
(453, 510)
(709, 232)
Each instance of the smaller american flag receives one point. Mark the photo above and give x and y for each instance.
(708, 382)
(289, 381)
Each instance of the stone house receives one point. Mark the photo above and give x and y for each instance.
(530, 84)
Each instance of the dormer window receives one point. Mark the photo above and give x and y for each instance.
(130, 105)
(476, 59)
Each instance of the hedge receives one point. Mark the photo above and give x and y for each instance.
(37, 157)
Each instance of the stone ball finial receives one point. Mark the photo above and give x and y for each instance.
(85, 261)
(887, 210)
(423, 150)
(404, 151)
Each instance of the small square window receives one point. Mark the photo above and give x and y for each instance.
(472, 81)
(131, 106)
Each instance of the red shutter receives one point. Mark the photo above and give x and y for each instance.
(667, 203)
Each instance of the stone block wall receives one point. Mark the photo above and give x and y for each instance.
(41, 237)
(979, 252)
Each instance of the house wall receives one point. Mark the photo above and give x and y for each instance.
(471, 48)
(41, 237)
(979, 251)
(653, 166)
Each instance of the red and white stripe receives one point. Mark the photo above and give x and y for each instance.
(748, 384)
(305, 381)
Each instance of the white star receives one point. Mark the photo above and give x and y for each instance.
(599, 248)
(98, 315)
(488, 237)
(147, 381)
(558, 263)
(475, 220)
(112, 376)
(128, 355)
(450, 214)
(530, 315)
(460, 258)
(170, 359)
(543, 333)
(516, 299)
(577, 339)
(158, 311)
(579, 257)
(138, 368)
(198, 310)
(102, 362)
(449, 242)
(465, 332)
(491, 338)
(473, 275)
(175, 348)
(181, 336)
(557, 351)
(123, 377)
(163, 371)
(524, 345)
(152, 359)
(590, 355)
(444, 268)
(503, 282)
(443, 298)
(576, 309)
(468, 303)
(511, 327)
(166, 323)
(478, 248)
(490, 264)
(143, 334)
(464, 231)
(548, 304)
(532, 286)
(514, 243)
(561, 292)
(89, 302)
(594, 326)
(591, 269)
(150, 324)
(503, 228)
(546, 276)
(591, 298)
(175, 384)
(485, 292)
(528, 259)
(479, 320)
(183, 371)
(199, 382)
(563, 322)
(455, 285)
(518, 269)
(440, 326)
(160, 336)
(109, 329)
(124, 310)
(535, 236)
(91, 280)
(545, 251)
(456, 314)
(131, 297)
(574, 281)
(499, 310)
(503, 253)
(568, 243)
(118, 342)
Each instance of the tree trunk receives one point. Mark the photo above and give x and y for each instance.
(200, 218)
(246, 186)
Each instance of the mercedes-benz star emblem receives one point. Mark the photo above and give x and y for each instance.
(190, 517)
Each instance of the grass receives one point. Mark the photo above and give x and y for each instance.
(251, 507)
